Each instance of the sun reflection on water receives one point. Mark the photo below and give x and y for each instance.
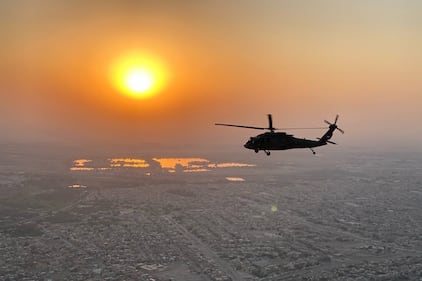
(128, 163)
(81, 169)
(80, 162)
(77, 186)
(234, 179)
(169, 165)
(230, 165)
(173, 163)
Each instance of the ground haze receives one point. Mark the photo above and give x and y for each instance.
(344, 214)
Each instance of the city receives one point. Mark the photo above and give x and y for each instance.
(338, 220)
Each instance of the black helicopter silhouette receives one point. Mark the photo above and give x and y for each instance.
(281, 141)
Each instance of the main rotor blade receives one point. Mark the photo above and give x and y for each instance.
(240, 126)
(327, 122)
(340, 130)
(270, 123)
(335, 121)
(310, 128)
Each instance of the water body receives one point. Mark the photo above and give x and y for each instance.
(235, 179)
(169, 165)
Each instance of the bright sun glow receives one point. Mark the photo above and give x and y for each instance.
(139, 81)
(138, 76)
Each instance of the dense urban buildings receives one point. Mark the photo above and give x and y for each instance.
(349, 215)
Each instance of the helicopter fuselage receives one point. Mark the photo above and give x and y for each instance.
(279, 141)
(282, 141)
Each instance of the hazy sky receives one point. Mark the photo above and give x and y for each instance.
(229, 61)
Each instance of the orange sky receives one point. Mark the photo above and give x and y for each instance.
(229, 61)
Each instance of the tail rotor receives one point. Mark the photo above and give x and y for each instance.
(334, 125)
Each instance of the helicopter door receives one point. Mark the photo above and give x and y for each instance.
(266, 142)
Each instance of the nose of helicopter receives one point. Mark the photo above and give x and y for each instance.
(248, 145)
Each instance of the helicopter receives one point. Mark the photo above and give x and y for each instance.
(273, 140)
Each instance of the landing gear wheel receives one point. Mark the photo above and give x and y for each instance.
(268, 153)
(256, 150)
(313, 151)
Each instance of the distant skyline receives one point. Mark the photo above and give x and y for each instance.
(228, 61)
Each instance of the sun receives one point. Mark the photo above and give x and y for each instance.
(139, 81)
(138, 75)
